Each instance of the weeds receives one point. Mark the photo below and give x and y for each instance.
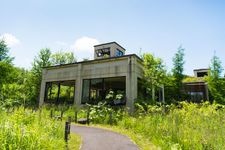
(34, 130)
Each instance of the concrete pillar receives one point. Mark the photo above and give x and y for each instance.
(78, 87)
(207, 91)
(163, 94)
(42, 89)
(131, 84)
(42, 93)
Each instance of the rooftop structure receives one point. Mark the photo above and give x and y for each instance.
(201, 72)
(106, 50)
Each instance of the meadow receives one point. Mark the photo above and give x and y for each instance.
(23, 129)
(185, 126)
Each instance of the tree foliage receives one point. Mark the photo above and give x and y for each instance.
(215, 81)
(177, 71)
(154, 73)
(4, 52)
(40, 61)
(62, 58)
(5, 64)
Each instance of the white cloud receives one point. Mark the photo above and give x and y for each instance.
(84, 44)
(10, 39)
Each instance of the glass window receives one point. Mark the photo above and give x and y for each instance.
(67, 91)
(119, 52)
(51, 92)
(115, 89)
(95, 90)
(86, 89)
(60, 92)
(105, 52)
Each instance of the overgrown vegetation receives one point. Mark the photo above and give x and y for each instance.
(183, 126)
(22, 128)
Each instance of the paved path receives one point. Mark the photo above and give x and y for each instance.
(101, 139)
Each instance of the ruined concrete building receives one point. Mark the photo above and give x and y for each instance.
(90, 81)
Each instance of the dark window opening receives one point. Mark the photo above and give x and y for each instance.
(105, 52)
(202, 74)
(141, 89)
(195, 92)
(60, 92)
(111, 90)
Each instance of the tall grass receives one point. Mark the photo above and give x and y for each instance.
(189, 126)
(27, 129)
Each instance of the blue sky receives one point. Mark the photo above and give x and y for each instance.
(155, 26)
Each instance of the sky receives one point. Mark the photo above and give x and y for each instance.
(154, 26)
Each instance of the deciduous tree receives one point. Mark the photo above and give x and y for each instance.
(40, 61)
(154, 73)
(62, 58)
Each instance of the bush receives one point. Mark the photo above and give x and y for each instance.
(105, 114)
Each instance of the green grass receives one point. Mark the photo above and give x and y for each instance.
(190, 127)
(26, 129)
(74, 142)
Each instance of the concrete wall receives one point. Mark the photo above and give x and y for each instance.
(129, 66)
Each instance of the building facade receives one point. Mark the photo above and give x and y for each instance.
(197, 90)
(88, 81)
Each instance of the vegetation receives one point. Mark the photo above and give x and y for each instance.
(154, 73)
(182, 126)
(178, 75)
(5, 64)
(194, 79)
(215, 81)
(22, 128)
(25, 84)
(170, 125)
(62, 58)
(40, 61)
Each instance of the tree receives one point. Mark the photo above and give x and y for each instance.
(215, 81)
(4, 52)
(177, 71)
(62, 58)
(35, 77)
(5, 64)
(154, 73)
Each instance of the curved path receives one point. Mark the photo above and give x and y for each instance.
(101, 139)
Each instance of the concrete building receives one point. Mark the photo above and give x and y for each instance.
(88, 81)
(197, 89)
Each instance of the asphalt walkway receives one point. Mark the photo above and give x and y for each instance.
(101, 139)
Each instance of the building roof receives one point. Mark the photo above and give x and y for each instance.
(202, 69)
(96, 60)
(109, 43)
